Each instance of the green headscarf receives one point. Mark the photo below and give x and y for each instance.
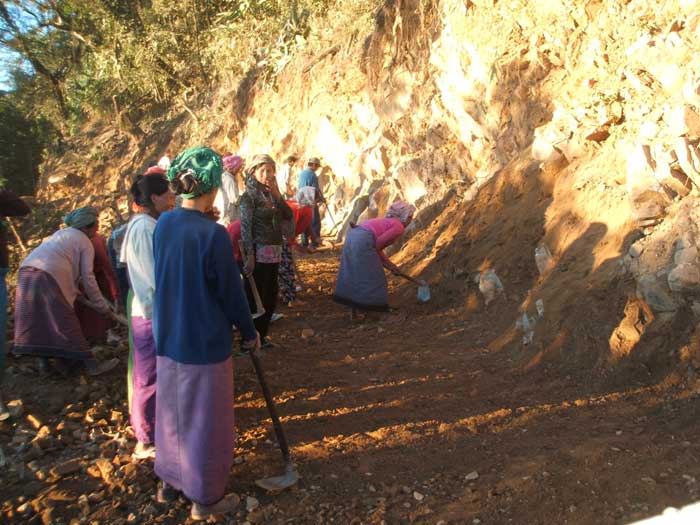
(80, 218)
(203, 164)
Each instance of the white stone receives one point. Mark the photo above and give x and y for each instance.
(687, 156)
(684, 277)
(251, 503)
(474, 475)
(418, 496)
(655, 293)
(682, 120)
(686, 256)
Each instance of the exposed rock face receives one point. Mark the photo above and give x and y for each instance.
(440, 99)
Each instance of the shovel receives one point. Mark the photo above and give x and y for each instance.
(259, 308)
(335, 224)
(290, 476)
(423, 288)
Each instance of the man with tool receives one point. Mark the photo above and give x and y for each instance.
(308, 177)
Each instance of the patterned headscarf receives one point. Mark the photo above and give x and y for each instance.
(202, 164)
(401, 210)
(306, 196)
(80, 218)
(261, 158)
(232, 163)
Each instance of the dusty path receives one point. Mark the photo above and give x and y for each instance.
(423, 421)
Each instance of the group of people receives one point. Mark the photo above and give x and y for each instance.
(187, 266)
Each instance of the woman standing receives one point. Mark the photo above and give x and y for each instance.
(361, 282)
(198, 296)
(263, 210)
(152, 196)
(11, 205)
(45, 322)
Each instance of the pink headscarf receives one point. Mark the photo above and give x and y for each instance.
(232, 163)
(401, 210)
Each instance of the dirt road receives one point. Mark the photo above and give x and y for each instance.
(422, 421)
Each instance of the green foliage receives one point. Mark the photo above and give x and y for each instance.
(127, 59)
(21, 148)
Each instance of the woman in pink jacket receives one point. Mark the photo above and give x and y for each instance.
(361, 282)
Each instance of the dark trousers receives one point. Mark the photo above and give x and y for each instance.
(315, 228)
(265, 276)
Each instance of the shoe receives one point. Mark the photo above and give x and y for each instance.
(4, 413)
(166, 493)
(144, 451)
(276, 317)
(223, 506)
(44, 367)
(101, 368)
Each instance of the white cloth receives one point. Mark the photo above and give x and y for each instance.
(68, 256)
(137, 253)
(227, 200)
(282, 177)
(164, 162)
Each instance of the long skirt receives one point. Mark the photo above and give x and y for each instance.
(130, 364)
(194, 427)
(143, 405)
(361, 281)
(3, 319)
(45, 323)
(287, 279)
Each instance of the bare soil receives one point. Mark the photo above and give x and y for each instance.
(386, 424)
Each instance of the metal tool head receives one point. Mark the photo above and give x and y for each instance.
(278, 483)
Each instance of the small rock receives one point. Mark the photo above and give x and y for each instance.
(15, 408)
(307, 333)
(407, 505)
(238, 460)
(34, 421)
(251, 503)
(67, 467)
(418, 496)
(474, 475)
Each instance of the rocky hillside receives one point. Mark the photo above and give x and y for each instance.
(567, 128)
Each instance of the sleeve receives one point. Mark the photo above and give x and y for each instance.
(286, 212)
(229, 287)
(234, 233)
(105, 263)
(11, 205)
(141, 247)
(317, 185)
(247, 209)
(87, 277)
(385, 239)
(231, 190)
